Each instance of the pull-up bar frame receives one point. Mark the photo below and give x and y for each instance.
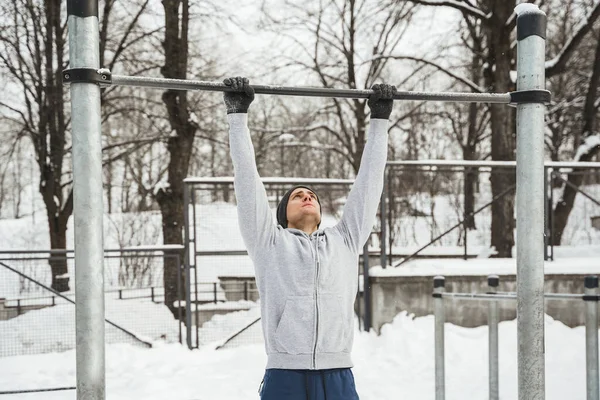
(86, 77)
(103, 77)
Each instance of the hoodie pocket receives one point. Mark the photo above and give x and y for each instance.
(294, 334)
(332, 324)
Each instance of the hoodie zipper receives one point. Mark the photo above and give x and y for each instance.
(314, 360)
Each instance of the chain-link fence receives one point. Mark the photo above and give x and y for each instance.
(37, 311)
(445, 209)
(224, 297)
(441, 210)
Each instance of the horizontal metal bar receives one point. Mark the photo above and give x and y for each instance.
(571, 296)
(564, 296)
(37, 390)
(180, 84)
(222, 253)
(479, 296)
(166, 248)
(507, 296)
(477, 163)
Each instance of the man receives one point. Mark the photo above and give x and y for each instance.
(306, 277)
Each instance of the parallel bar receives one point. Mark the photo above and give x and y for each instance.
(508, 296)
(196, 313)
(180, 84)
(563, 296)
(480, 296)
(591, 339)
(187, 260)
(440, 318)
(493, 319)
(84, 52)
(530, 206)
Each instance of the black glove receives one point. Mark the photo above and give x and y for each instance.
(238, 101)
(381, 102)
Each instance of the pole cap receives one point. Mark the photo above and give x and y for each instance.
(591, 282)
(439, 282)
(530, 21)
(493, 280)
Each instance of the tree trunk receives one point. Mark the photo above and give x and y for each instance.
(50, 143)
(502, 125)
(565, 204)
(58, 262)
(470, 178)
(180, 144)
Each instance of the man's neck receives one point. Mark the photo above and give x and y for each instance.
(308, 228)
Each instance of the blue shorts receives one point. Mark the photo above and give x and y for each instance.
(302, 384)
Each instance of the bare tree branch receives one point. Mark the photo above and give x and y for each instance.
(464, 7)
(559, 63)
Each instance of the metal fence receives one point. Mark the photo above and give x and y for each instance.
(223, 297)
(591, 299)
(442, 208)
(429, 208)
(36, 318)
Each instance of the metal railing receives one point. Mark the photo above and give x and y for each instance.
(591, 297)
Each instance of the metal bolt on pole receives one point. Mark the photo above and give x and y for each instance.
(531, 43)
(439, 283)
(493, 281)
(591, 337)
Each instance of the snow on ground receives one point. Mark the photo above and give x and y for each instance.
(399, 364)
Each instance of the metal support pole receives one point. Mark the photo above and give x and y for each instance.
(390, 208)
(591, 337)
(531, 34)
(187, 259)
(194, 252)
(551, 215)
(366, 287)
(84, 52)
(546, 211)
(440, 318)
(493, 281)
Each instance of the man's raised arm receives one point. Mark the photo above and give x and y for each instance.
(254, 214)
(360, 210)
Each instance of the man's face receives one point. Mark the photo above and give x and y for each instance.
(303, 208)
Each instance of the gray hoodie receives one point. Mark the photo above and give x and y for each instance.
(307, 283)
